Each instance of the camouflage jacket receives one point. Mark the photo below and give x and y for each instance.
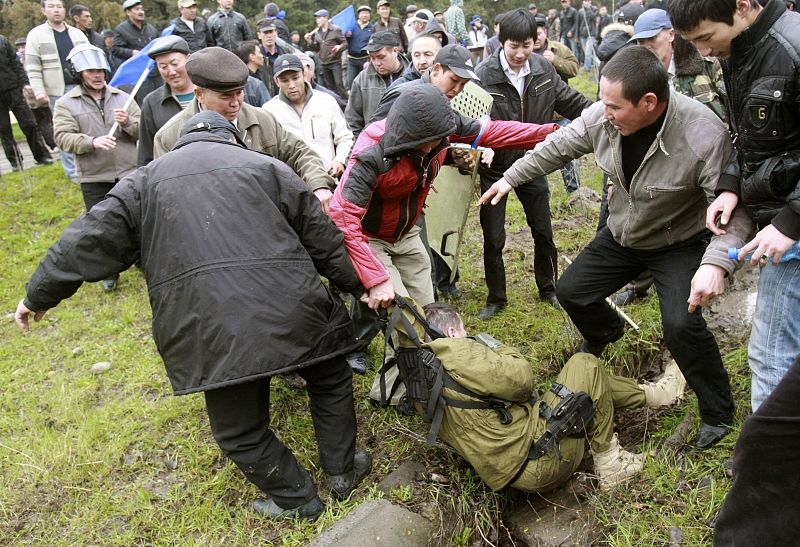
(699, 78)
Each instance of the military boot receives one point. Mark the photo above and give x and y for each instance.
(615, 465)
(668, 390)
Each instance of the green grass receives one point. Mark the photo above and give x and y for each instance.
(115, 459)
(18, 134)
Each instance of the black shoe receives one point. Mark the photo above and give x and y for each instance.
(44, 161)
(343, 485)
(309, 510)
(359, 362)
(490, 311)
(16, 168)
(709, 435)
(552, 300)
(109, 284)
(450, 292)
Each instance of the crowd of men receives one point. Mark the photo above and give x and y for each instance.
(357, 123)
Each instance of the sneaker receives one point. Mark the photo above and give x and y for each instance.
(624, 297)
(343, 485)
(309, 510)
(666, 391)
(615, 465)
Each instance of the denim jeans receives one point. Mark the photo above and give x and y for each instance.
(354, 68)
(775, 338)
(67, 159)
(604, 266)
(588, 52)
(573, 44)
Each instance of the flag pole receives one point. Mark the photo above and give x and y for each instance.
(138, 85)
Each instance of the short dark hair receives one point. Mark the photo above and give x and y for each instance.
(76, 10)
(246, 49)
(687, 14)
(442, 316)
(517, 25)
(640, 72)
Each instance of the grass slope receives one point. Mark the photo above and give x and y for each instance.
(115, 459)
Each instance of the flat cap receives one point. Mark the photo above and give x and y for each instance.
(209, 121)
(186, 3)
(321, 13)
(411, 8)
(21, 41)
(217, 69)
(128, 4)
(364, 8)
(168, 44)
(382, 3)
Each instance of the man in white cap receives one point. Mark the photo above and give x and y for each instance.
(190, 27)
(82, 122)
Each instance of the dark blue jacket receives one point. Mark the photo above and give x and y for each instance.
(357, 41)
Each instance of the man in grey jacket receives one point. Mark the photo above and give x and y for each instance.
(663, 153)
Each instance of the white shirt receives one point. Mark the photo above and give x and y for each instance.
(189, 24)
(517, 80)
(321, 126)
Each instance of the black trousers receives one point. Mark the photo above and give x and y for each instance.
(605, 266)
(95, 192)
(239, 418)
(535, 199)
(331, 75)
(762, 506)
(13, 101)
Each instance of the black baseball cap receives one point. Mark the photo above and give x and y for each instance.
(286, 62)
(458, 59)
(382, 39)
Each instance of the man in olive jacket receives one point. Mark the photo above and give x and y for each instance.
(220, 77)
(232, 253)
(663, 153)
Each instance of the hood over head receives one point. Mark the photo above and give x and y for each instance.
(435, 26)
(421, 114)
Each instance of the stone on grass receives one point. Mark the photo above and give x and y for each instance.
(101, 367)
(377, 523)
(556, 519)
(405, 475)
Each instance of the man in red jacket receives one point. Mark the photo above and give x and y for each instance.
(382, 193)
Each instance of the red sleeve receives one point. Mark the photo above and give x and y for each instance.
(503, 134)
(358, 182)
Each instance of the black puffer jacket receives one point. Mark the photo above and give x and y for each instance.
(762, 80)
(545, 93)
(231, 254)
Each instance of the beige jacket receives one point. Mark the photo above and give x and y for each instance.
(77, 121)
(667, 199)
(42, 62)
(260, 131)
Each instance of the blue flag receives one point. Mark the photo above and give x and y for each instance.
(131, 70)
(345, 19)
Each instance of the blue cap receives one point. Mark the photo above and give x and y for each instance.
(321, 13)
(650, 23)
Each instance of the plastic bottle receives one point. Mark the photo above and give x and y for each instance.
(793, 253)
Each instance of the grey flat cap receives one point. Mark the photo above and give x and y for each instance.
(168, 44)
(217, 69)
(128, 4)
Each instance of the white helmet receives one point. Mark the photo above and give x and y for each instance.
(85, 56)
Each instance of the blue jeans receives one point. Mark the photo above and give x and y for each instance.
(573, 44)
(67, 159)
(775, 338)
(570, 171)
(588, 52)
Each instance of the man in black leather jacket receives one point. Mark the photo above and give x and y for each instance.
(543, 93)
(759, 48)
